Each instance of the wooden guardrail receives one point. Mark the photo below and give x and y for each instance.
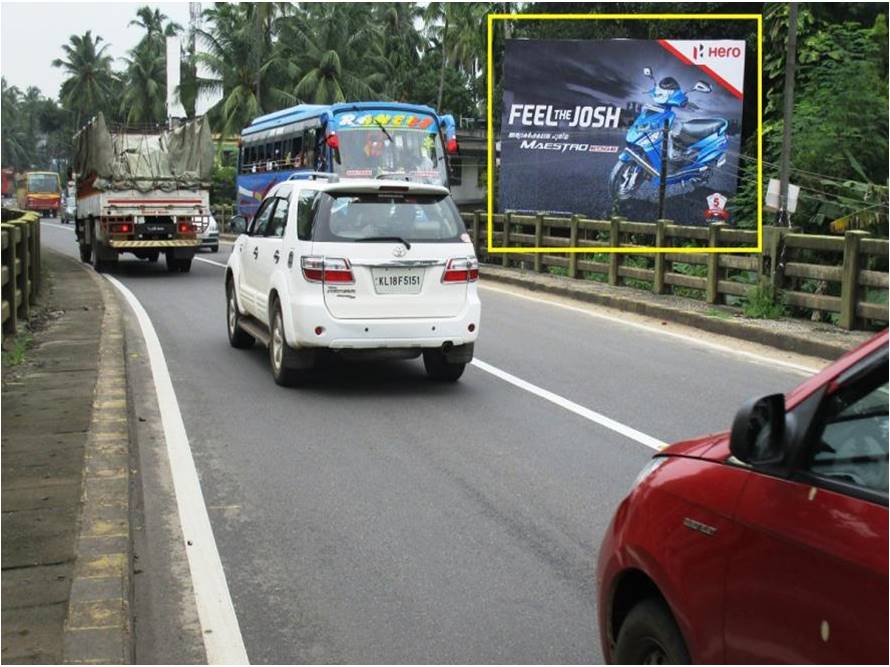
(844, 276)
(20, 266)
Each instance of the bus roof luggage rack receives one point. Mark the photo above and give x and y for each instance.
(314, 175)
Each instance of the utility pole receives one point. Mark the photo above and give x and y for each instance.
(783, 220)
(790, 65)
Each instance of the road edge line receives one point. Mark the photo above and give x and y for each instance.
(223, 642)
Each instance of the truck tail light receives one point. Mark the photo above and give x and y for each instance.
(185, 227)
(461, 270)
(327, 270)
(121, 228)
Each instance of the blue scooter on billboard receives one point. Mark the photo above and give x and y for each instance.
(696, 147)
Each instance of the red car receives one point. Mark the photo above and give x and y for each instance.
(764, 544)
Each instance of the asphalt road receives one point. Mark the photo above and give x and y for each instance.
(377, 517)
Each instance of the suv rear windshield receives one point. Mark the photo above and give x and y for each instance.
(344, 217)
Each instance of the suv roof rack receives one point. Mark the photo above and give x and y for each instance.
(392, 176)
(314, 175)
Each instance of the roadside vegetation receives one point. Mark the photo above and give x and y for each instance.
(264, 56)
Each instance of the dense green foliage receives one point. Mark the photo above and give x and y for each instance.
(265, 56)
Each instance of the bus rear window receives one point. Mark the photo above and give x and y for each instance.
(43, 183)
(344, 217)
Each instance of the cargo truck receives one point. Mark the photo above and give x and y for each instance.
(142, 192)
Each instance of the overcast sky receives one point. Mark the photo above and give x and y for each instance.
(32, 34)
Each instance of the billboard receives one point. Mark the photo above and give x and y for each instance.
(583, 123)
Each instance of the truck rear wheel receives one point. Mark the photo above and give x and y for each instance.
(99, 265)
(86, 253)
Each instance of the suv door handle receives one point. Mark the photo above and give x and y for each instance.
(256, 252)
(276, 256)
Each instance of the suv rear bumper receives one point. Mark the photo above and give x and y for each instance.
(340, 334)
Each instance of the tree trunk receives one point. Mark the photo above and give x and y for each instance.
(442, 69)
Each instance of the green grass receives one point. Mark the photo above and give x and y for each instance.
(16, 353)
(719, 314)
(763, 303)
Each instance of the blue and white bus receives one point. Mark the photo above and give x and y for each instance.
(351, 139)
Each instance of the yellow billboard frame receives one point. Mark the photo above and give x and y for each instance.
(601, 17)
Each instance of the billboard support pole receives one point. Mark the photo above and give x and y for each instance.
(662, 184)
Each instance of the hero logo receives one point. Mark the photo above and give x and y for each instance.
(701, 52)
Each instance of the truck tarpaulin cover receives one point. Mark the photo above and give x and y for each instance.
(180, 158)
(582, 126)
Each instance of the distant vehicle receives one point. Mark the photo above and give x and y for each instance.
(352, 139)
(69, 210)
(765, 544)
(361, 267)
(140, 191)
(39, 191)
(208, 233)
(7, 192)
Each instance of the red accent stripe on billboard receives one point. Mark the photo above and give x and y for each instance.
(707, 70)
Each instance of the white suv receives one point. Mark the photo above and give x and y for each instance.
(361, 267)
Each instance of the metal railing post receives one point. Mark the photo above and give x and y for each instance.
(573, 243)
(539, 241)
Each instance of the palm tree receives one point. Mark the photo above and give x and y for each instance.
(402, 44)
(145, 96)
(14, 148)
(244, 78)
(336, 50)
(152, 21)
(90, 79)
(457, 29)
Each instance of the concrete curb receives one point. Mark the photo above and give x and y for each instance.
(98, 627)
(755, 331)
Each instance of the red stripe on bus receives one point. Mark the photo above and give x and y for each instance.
(154, 201)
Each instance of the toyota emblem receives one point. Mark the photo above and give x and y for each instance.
(399, 251)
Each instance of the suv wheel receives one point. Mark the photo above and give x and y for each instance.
(280, 352)
(237, 336)
(438, 368)
(650, 636)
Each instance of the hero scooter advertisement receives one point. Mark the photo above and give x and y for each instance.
(583, 123)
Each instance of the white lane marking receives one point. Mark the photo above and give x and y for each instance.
(800, 369)
(219, 624)
(210, 261)
(571, 406)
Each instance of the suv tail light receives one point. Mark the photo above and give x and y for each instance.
(461, 270)
(326, 270)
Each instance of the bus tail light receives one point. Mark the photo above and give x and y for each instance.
(461, 270)
(451, 146)
(326, 270)
(333, 141)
